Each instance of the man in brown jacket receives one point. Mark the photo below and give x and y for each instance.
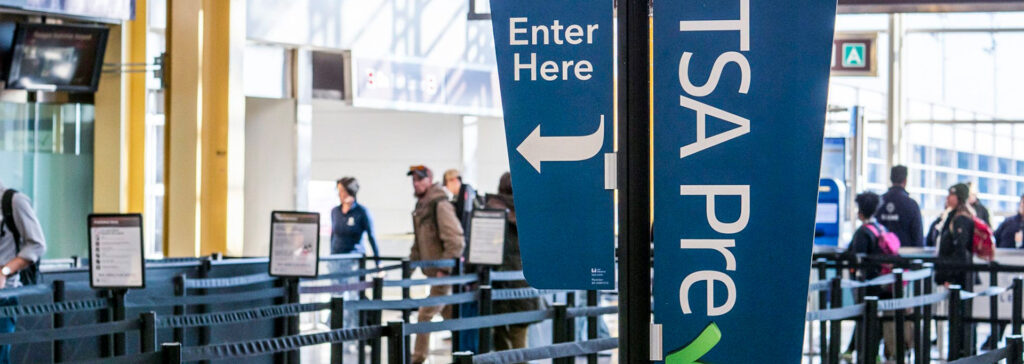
(438, 235)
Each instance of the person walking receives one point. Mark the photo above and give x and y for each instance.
(507, 337)
(350, 222)
(1010, 233)
(899, 213)
(464, 198)
(438, 235)
(22, 244)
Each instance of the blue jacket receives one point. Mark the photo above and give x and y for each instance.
(347, 231)
(902, 216)
(1004, 234)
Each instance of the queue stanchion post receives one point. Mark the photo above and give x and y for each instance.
(293, 320)
(455, 309)
(917, 265)
(592, 324)
(1018, 289)
(376, 318)
(171, 353)
(836, 326)
(76, 261)
(396, 342)
(147, 334)
(58, 320)
(337, 323)
(869, 351)
(118, 312)
(570, 302)
(955, 323)
(362, 316)
(464, 357)
(205, 266)
(925, 351)
(406, 294)
(560, 330)
(1016, 346)
(822, 265)
(280, 323)
(486, 309)
(179, 310)
(899, 317)
(993, 302)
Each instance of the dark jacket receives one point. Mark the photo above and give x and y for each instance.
(865, 242)
(901, 215)
(438, 232)
(464, 203)
(1005, 233)
(511, 260)
(956, 238)
(347, 231)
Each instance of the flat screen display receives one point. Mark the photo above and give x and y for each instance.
(49, 57)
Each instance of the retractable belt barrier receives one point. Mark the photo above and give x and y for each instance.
(506, 276)
(991, 291)
(547, 352)
(479, 322)
(591, 311)
(160, 301)
(141, 358)
(260, 313)
(409, 304)
(877, 281)
(52, 308)
(240, 281)
(26, 291)
(836, 313)
(70, 332)
(521, 293)
(336, 288)
(443, 263)
(356, 273)
(911, 302)
(990, 357)
(277, 345)
(440, 281)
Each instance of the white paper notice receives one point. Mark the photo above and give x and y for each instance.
(294, 243)
(115, 243)
(487, 237)
(827, 213)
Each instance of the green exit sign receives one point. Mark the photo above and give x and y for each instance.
(853, 55)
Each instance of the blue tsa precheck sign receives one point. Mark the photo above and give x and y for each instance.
(555, 62)
(739, 91)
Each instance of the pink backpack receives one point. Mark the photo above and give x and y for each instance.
(887, 241)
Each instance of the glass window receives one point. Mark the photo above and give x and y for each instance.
(921, 154)
(875, 173)
(983, 184)
(921, 178)
(963, 160)
(943, 157)
(962, 178)
(875, 148)
(1020, 189)
(941, 180)
(1004, 188)
(1020, 168)
(1004, 165)
(1005, 206)
(984, 163)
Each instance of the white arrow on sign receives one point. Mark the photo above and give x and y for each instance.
(537, 149)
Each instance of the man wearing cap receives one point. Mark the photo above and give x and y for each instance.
(899, 213)
(438, 235)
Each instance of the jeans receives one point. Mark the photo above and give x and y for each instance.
(6, 326)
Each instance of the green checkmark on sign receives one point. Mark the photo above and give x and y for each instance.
(697, 348)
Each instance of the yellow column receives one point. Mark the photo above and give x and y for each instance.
(136, 109)
(109, 172)
(205, 127)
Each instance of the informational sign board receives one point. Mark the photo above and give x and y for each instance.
(294, 244)
(853, 54)
(487, 237)
(115, 251)
(827, 218)
(739, 94)
(555, 66)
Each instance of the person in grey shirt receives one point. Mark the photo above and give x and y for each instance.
(33, 246)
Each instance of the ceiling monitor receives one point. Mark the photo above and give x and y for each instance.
(48, 57)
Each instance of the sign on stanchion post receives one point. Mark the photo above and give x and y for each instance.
(740, 90)
(487, 237)
(116, 262)
(294, 254)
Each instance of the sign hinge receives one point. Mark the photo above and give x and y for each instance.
(656, 342)
(610, 171)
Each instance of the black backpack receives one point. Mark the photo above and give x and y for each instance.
(30, 274)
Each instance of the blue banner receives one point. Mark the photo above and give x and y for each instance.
(739, 91)
(555, 72)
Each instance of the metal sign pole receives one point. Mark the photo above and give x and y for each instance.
(634, 178)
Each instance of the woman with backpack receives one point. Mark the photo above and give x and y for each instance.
(955, 239)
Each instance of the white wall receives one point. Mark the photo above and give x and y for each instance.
(269, 167)
(378, 146)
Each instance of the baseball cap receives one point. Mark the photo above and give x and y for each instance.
(419, 172)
